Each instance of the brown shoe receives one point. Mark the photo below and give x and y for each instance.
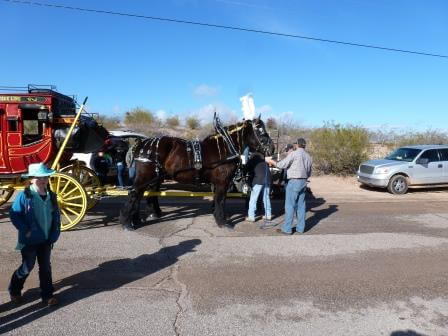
(50, 302)
(16, 299)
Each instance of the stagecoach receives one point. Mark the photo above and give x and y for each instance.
(39, 124)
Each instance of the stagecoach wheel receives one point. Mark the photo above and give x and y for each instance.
(88, 179)
(72, 199)
(5, 195)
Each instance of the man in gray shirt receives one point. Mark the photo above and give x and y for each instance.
(298, 165)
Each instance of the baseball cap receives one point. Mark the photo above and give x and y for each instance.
(288, 147)
(301, 142)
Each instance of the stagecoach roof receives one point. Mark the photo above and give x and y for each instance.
(6, 93)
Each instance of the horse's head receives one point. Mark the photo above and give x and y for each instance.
(258, 138)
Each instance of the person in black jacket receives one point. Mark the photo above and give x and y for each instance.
(120, 161)
(100, 165)
(261, 183)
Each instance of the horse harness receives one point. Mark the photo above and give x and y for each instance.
(149, 153)
(194, 147)
(224, 134)
(145, 153)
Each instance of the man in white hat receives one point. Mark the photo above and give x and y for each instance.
(35, 214)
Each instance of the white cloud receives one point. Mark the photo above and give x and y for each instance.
(116, 109)
(161, 114)
(263, 110)
(205, 90)
(286, 116)
(226, 114)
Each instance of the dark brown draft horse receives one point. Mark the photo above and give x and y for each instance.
(213, 160)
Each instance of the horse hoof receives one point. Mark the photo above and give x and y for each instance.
(128, 228)
(228, 227)
(152, 216)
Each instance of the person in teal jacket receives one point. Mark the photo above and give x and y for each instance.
(36, 216)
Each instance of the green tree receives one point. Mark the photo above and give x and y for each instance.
(139, 116)
(172, 121)
(193, 123)
(109, 123)
(271, 123)
(428, 137)
(338, 149)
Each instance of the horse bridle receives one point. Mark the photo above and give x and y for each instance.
(258, 132)
(255, 128)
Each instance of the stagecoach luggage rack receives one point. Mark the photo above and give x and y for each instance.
(14, 88)
(37, 88)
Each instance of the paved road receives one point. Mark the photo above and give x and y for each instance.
(365, 267)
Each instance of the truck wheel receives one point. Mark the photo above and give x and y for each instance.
(398, 185)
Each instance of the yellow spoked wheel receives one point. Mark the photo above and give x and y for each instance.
(72, 199)
(88, 179)
(5, 195)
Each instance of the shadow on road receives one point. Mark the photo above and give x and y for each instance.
(406, 333)
(4, 213)
(107, 276)
(411, 190)
(312, 203)
(183, 208)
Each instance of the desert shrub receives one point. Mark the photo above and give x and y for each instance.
(429, 137)
(139, 116)
(271, 123)
(109, 123)
(172, 121)
(193, 123)
(338, 149)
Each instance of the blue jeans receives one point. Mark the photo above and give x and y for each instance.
(120, 172)
(30, 253)
(131, 173)
(295, 203)
(256, 189)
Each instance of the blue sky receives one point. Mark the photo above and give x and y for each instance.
(178, 69)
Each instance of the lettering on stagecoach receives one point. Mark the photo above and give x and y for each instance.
(22, 99)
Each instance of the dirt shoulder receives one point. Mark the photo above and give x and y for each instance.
(348, 189)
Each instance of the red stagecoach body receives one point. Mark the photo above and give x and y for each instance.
(33, 125)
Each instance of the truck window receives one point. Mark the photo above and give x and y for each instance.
(443, 154)
(431, 155)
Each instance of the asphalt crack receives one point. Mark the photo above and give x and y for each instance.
(180, 299)
(180, 288)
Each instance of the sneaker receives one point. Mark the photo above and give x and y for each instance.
(50, 302)
(267, 217)
(248, 219)
(16, 299)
